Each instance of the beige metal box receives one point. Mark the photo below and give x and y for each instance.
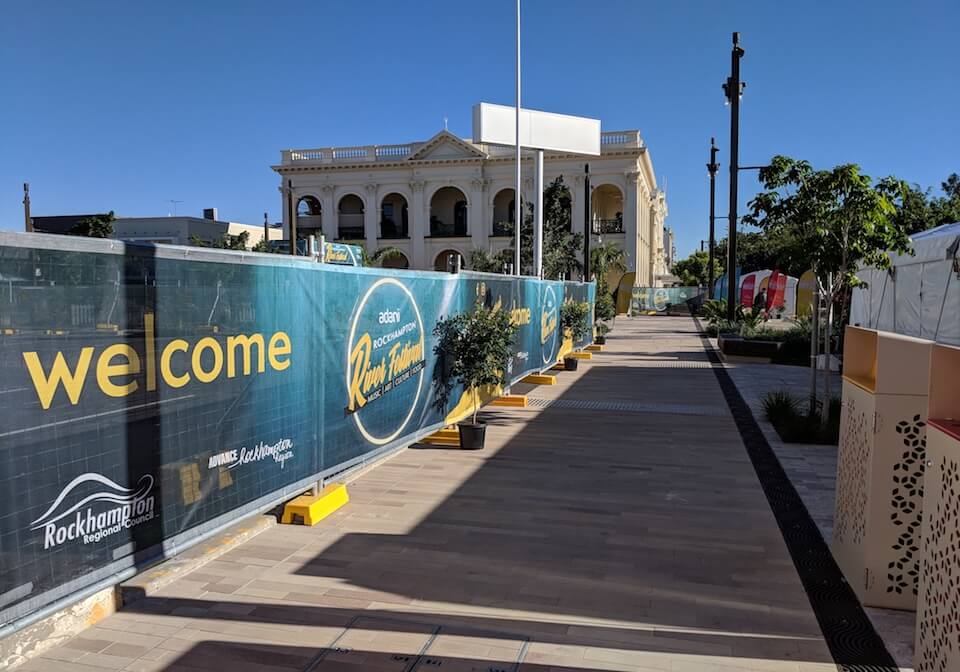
(938, 605)
(877, 522)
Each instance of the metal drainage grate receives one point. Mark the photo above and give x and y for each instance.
(672, 364)
(422, 646)
(630, 406)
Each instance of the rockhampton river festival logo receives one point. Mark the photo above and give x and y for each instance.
(92, 507)
(548, 325)
(385, 361)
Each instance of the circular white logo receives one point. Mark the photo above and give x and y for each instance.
(385, 351)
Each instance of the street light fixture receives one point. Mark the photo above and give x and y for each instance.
(712, 168)
(733, 89)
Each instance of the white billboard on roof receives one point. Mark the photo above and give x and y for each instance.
(496, 125)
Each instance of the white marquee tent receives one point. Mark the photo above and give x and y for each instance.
(920, 294)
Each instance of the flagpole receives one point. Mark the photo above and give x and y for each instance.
(517, 209)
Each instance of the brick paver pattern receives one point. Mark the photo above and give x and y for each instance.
(584, 537)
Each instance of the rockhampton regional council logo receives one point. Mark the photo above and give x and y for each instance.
(385, 361)
(88, 515)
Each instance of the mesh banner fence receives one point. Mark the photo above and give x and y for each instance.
(150, 395)
(661, 299)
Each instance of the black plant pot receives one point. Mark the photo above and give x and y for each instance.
(472, 435)
(600, 340)
(570, 363)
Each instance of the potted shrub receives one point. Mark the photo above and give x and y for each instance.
(603, 311)
(573, 321)
(602, 331)
(475, 348)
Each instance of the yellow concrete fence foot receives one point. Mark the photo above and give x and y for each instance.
(448, 436)
(581, 355)
(595, 348)
(540, 379)
(311, 509)
(511, 400)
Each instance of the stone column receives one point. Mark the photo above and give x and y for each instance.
(632, 225)
(478, 219)
(371, 218)
(329, 213)
(419, 220)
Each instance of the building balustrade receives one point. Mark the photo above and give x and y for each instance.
(608, 226)
(374, 153)
(350, 233)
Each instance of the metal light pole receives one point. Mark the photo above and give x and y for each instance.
(587, 224)
(266, 231)
(733, 88)
(27, 221)
(292, 211)
(712, 168)
(517, 216)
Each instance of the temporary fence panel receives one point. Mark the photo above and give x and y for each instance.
(153, 394)
(660, 299)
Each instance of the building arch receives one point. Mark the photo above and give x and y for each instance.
(394, 216)
(448, 211)
(441, 260)
(350, 214)
(606, 208)
(504, 212)
(397, 260)
(309, 205)
(309, 216)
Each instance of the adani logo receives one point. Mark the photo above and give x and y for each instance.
(549, 319)
(385, 361)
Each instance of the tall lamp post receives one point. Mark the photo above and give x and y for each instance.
(712, 168)
(587, 224)
(733, 88)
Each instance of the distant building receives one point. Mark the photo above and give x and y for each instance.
(449, 196)
(178, 230)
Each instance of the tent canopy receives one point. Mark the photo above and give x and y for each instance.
(920, 294)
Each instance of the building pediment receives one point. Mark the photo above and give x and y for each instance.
(445, 145)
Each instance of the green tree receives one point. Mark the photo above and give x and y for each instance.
(561, 248)
(834, 221)
(692, 271)
(606, 258)
(483, 261)
(227, 241)
(381, 255)
(95, 226)
(918, 210)
(474, 348)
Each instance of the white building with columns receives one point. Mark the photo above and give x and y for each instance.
(449, 195)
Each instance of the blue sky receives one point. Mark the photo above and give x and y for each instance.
(124, 105)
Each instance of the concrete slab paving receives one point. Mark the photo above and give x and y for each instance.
(579, 539)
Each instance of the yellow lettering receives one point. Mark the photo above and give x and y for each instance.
(359, 362)
(279, 346)
(150, 342)
(548, 324)
(245, 342)
(106, 370)
(171, 379)
(46, 386)
(211, 344)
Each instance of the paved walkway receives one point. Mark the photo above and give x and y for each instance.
(813, 471)
(616, 524)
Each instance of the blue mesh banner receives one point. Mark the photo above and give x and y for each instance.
(149, 394)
